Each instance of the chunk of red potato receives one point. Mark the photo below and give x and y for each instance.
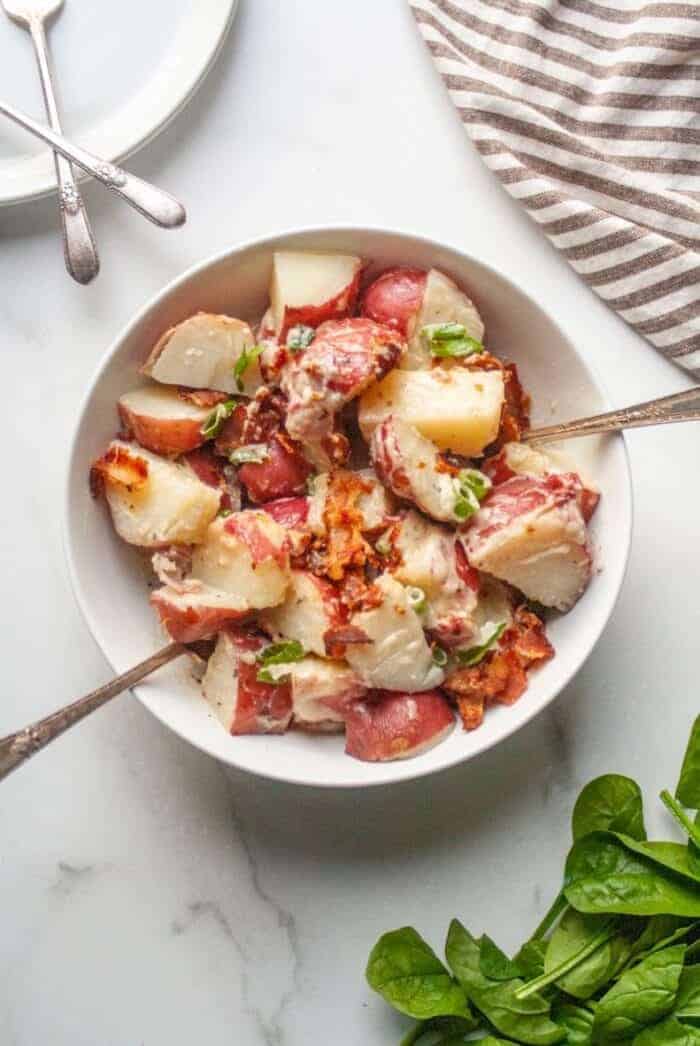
(412, 467)
(160, 420)
(531, 533)
(242, 566)
(521, 459)
(456, 408)
(373, 505)
(215, 472)
(202, 351)
(256, 420)
(396, 655)
(311, 609)
(344, 359)
(153, 501)
(443, 302)
(282, 474)
(322, 691)
(395, 298)
(309, 287)
(397, 725)
(230, 687)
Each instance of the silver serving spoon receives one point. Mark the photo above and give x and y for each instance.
(153, 203)
(79, 247)
(18, 747)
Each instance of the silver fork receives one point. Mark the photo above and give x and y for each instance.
(79, 247)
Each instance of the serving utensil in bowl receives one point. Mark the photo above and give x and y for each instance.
(109, 577)
(79, 246)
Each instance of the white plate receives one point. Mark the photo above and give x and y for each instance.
(124, 70)
(108, 576)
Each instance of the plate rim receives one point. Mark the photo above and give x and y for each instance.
(221, 15)
(404, 770)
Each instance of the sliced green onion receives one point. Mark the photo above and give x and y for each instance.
(223, 512)
(466, 504)
(281, 653)
(475, 654)
(300, 337)
(476, 481)
(450, 339)
(214, 423)
(246, 357)
(252, 452)
(383, 543)
(416, 598)
(439, 656)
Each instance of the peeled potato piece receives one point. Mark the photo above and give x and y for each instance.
(201, 353)
(161, 420)
(397, 655)
(153, 501)
(457, 409)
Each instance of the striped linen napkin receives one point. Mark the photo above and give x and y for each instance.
(589, 113)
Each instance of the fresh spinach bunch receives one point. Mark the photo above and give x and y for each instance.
(616, 959)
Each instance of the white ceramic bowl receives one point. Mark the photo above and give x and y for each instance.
(109, 579)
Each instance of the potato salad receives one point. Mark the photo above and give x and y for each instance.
(339, 511)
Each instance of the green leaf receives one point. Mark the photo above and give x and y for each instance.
(603, 875)
(669, 1032)
(660, 932)
(450, 339)
(300, 337)
(407, 973)
(688, 787)
(494, 963)
(475, 654)
(281, 653)
(530, 958)
(688, 826)
(245, 359)
(688, 998)
(525, 1021)
(572, 934)
(642, 996)
(609, 803)
(577, 1022)
(440, 656)
(251, 452)
(214, 423)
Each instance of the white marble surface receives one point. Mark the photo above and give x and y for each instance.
(148, 896)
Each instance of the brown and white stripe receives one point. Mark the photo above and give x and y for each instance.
(589, 113)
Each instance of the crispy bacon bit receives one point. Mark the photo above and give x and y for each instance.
(501, 678)
(118, 466)
(345, 547)
(515, 417)
(588, 502)
(336, 639)
(202, 397)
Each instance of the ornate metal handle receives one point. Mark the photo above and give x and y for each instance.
(79, 246)
(158, 206)
(681, 406)
(16, 748)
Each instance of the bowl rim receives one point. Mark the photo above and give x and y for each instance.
(404, 769)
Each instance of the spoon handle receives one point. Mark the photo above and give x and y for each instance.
(681, 406)
(79, 246)
(158, 206)
(20, 746)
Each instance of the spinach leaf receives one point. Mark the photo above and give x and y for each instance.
(668, 1033)
(642, 996)
(609, 803)
(439, 1031)
(577, 1022)
(405, 970)
(603, 876)
(672, 856)
(526, 1021)
(494, 963)
(571, 935)
(657, 930)
(677, 811)
(688, 998)
(688, 787)
(530, 958)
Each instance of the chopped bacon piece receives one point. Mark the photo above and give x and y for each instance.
(202, 397)
(121, 466)
(344, 359)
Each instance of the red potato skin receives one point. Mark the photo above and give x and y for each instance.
(390, 725)
(283, 475)
(290, 513)
(499, 472)
(188, 624)
(465, 571)
(386, 458)
(336, 308)
(521, 494)
(261, 708)
(160, 435)
(395, 297)
(246, 528)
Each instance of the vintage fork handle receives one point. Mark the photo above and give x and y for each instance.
(16, 748)
(79, 245)
(153, 203)
(680, 406)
